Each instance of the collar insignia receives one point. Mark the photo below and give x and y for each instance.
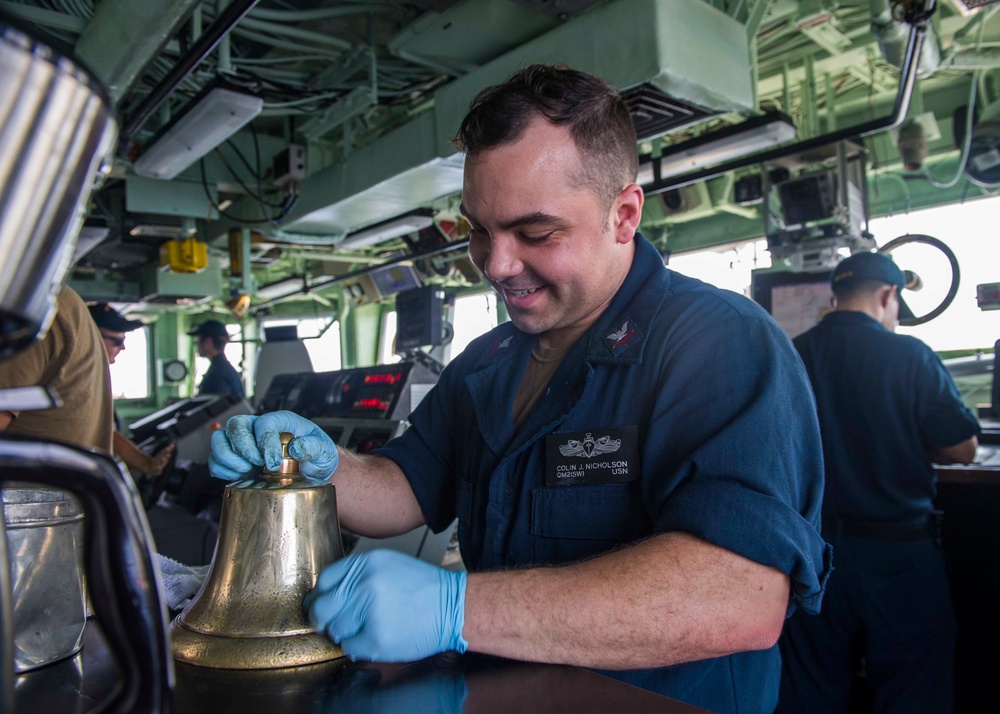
(618, 340)
(502, 345)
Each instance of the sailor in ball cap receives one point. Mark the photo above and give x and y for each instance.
(861, 273)
(221, 378)
(113, 327)
(888, 410)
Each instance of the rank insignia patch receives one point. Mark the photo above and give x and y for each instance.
(619, 340)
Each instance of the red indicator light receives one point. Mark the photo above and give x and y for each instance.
(371, 403)
(383, 378)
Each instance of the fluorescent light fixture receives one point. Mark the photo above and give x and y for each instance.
(156, 230)
(206, 122)
(714, 147)
(387, 230)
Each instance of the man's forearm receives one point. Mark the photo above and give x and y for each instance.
(963, 452)
(670, 599)
(374, 498)
(132, 455)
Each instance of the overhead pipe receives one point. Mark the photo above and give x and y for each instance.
(918, 29)
(186, 64)
(438, 250)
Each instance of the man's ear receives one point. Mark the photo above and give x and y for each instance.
(885, 295)
(628, 212)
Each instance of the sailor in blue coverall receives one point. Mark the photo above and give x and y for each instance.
(652, 436)
(695, 387)
(221, 377)
(887, 407)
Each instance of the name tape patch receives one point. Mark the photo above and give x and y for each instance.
(595, 456)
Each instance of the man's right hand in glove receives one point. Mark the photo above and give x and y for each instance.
(250, 441)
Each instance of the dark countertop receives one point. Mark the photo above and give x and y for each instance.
(969, 497)
(972, 474)
(445, 684)
(984, 470)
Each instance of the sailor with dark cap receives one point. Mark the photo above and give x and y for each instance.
(211, 337)
(113, 327)
(69, 362)
(888, 409)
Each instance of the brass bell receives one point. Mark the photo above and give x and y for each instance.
(274, 538)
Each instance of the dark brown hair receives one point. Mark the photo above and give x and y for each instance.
(597, 116)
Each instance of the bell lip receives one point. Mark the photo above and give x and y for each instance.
(219, 652)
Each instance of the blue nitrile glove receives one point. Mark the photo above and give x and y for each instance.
(250, 441)
(385, 606)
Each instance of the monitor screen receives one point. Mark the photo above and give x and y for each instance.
(419, 315)
(395, 279)
(796, 301)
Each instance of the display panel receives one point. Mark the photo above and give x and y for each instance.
(395, 279)
(796, 301)
(419, 315)
(378, 392)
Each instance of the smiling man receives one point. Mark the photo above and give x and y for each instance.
(617, 455)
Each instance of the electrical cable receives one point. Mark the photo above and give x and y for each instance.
(967, 140)
(260, 188)
(257, 173)
(239, 180)
(291, 201)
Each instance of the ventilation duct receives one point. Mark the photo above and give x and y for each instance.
(655, 56)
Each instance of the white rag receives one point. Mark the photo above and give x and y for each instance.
(180, 582)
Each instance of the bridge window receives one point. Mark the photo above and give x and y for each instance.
(387, 341)
(474, 315)
(726, 267)
(321, 338)
(969, 229)
(323, 347)
(130, 372)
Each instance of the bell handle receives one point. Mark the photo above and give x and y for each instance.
(288, 471)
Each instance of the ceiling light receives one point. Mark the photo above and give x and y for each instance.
(156, 230)
(715, 147)
(385, 231)
(206, 122)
